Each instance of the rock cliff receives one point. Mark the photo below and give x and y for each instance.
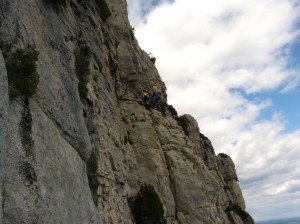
(72, 159)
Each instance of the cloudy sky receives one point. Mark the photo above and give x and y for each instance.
(235, 66)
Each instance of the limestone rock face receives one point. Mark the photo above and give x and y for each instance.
(67, 158)
(3, 124)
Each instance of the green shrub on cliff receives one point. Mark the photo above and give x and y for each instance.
(147, 207)
(82, 71)
(21, 67)
(182, 121)
(167, 107)
(238, 210)
(223, 155)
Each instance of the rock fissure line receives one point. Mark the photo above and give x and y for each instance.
(171, 180)
(26, 168)
(26, 130)
(65, 135)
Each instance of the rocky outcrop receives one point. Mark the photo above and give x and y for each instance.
(66, 158)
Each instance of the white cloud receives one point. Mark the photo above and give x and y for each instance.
(214, 56)
(138, 9)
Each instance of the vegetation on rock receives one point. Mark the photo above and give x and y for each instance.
(238, 210)
(223, 155)
(152, 58)
(92, 167)
(182, 121)
(203, 137)
(166, 107)
(21, 67)
(82, 71)
(147, 207)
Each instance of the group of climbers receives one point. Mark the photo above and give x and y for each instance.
(153, 101)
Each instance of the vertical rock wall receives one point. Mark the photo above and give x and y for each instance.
(3, 126)
(72, 159)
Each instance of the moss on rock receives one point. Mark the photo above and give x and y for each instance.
(21, 67)
(82, 71)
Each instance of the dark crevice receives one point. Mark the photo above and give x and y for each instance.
(129, 139)
(105, 12)
(26, 168)
(27, 173)
(92, 168)
(111, 160)
(26, 130)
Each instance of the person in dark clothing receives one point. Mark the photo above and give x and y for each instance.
(155, 100)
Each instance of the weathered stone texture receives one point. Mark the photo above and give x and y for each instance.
(72, 159)
(3, 125)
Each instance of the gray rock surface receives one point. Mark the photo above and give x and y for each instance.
(3, 124)
(71, 159)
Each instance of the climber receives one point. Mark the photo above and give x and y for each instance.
(146, 101)
(155, 99)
